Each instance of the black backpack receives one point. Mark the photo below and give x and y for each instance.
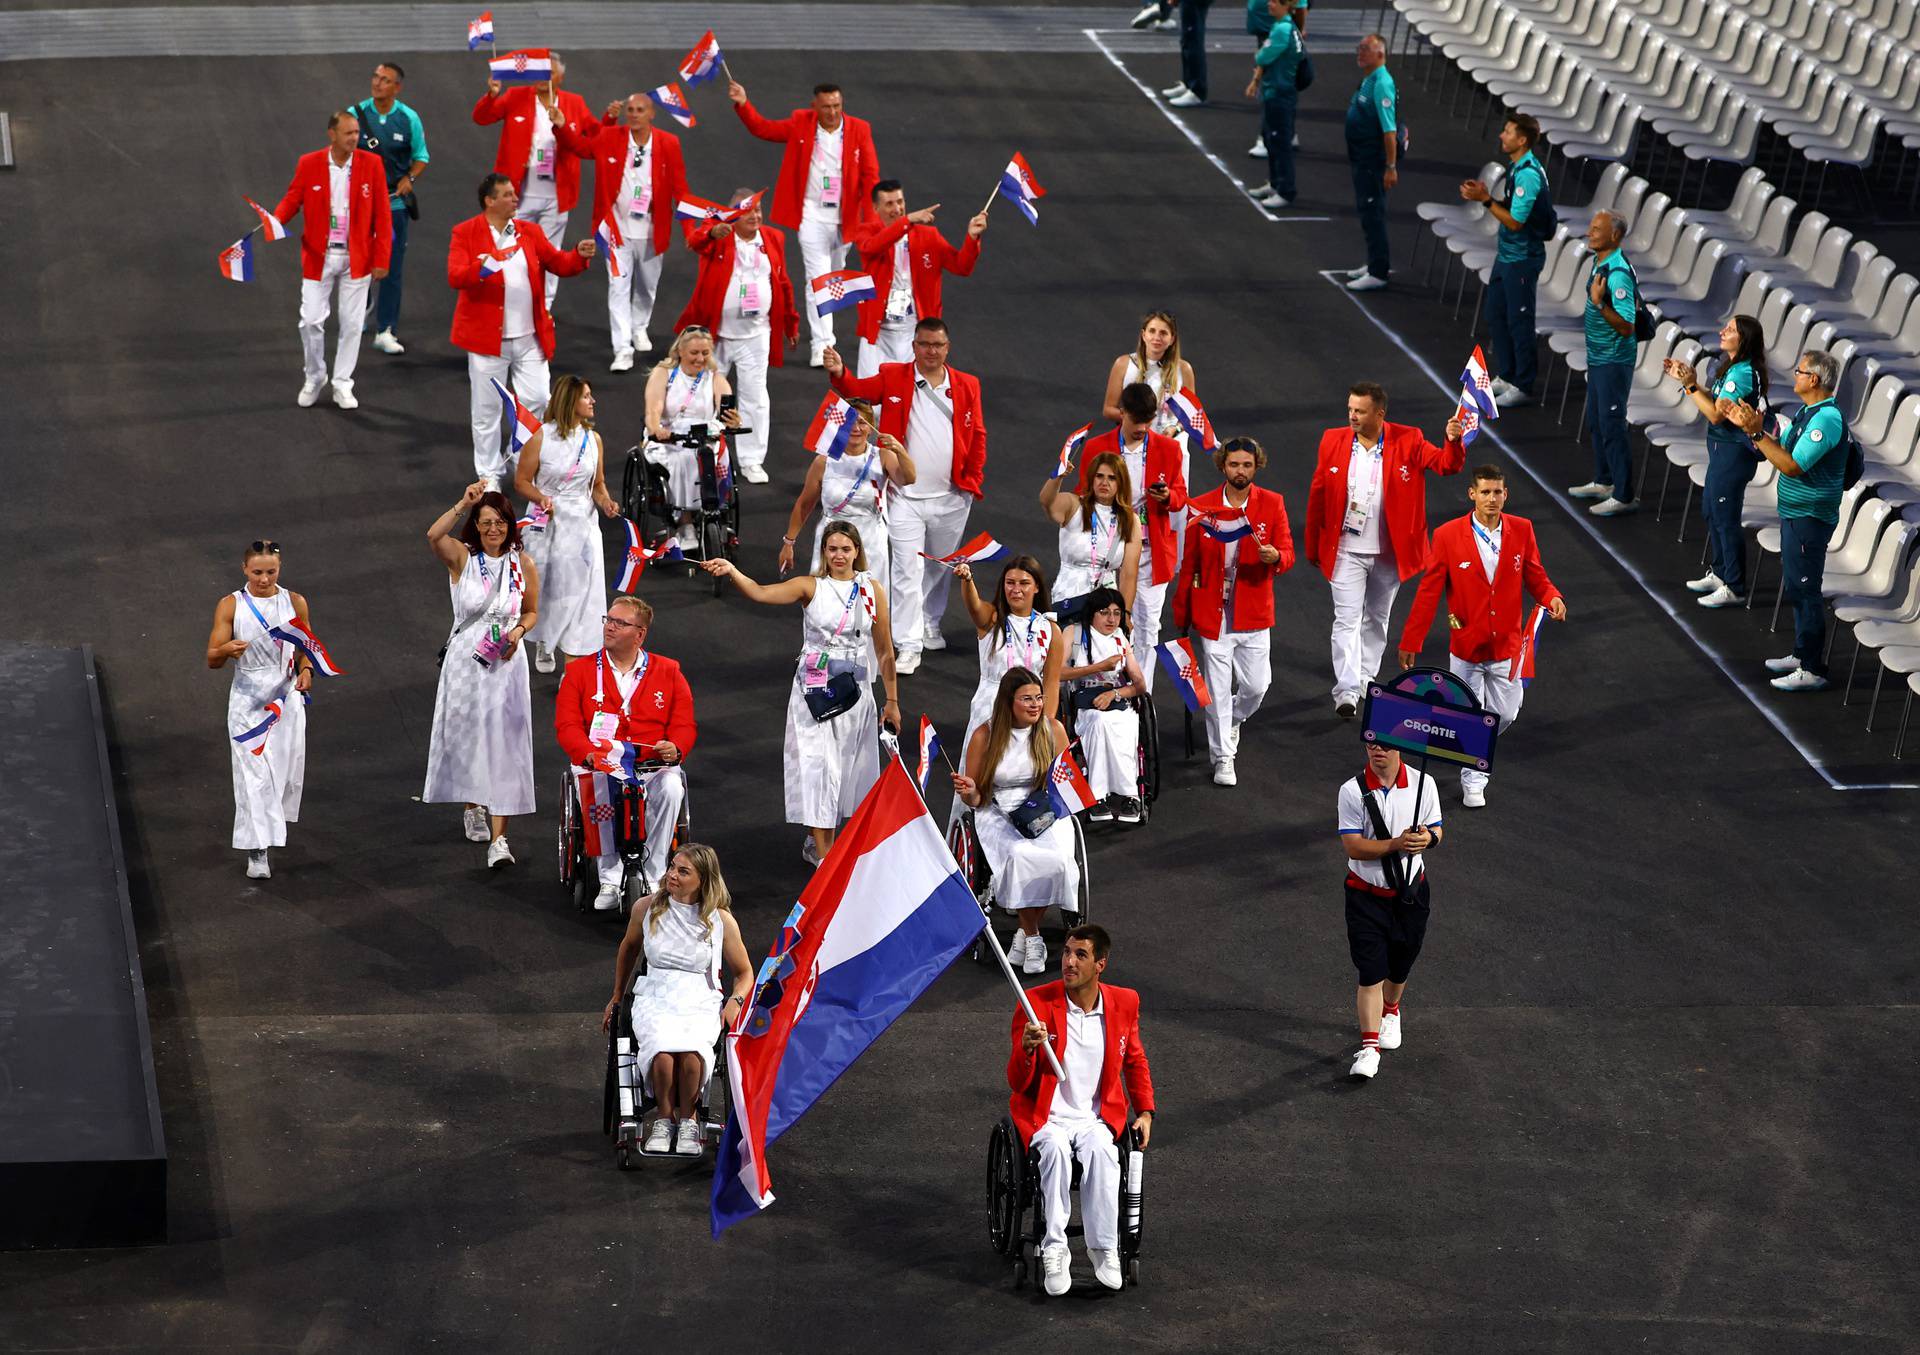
(1646, 316)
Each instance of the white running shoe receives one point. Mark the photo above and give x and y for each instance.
(686, 1139)
(386, 343)
(1366, 282)
(659, 1136)
(1390, 1030)
(1786, 663)
(1511, 397)
(1366, 1063)
(641, 343)
(1500, 385)
(1706, 583)
(1056, 1268)
(1723, 596)
(1168, 25)
(498, 854)
(343, 395)
(1593, 489)
(257, 868)
(1266, 197)
(686, 538)
(543, 658)
(1611, 507)
(1146, 18)
(1171, 90)
(608, 899)
(1473, 797)
(310, 394)
(1186, 98)
(1800, 680)
(809, 852)
(1259, 151)
(1296, 141)
(1233, 738)
(754, 475)
(622, 361)
(1223, 773)
(475, 823)
(907, 664)
(1106, 1267)
(1354, 274)
(932, 639)
(1036, 956)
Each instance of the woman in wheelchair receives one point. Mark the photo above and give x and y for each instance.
(1102, 678)
(687, 935)
(1099, 537)
(1029, 850)
(1013, 631)
(684, 393)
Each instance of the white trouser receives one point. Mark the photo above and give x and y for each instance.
(744, 362)
(895, 344)
(630, 295)
(1488, 681)
(821, 251)
(1148, 600)
(1364, 587)
(1058, 1143)
(919, 596)
(539, 206)
(1111, 739)
(521, 360)
(315, 294)
(1239, 670)
(666, 792)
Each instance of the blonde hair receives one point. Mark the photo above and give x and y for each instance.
(1000, 732)
(672, 358)
(841, 527)
(1122, 499)
(713, 897)
(1170, 364)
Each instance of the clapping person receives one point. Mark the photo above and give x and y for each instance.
(685, 392)
(562, 473)
(1100, 534)
(852, 489)
(481, 749)
(1013, 631)
(1741, 377)
(1102, 677)
(832, 749)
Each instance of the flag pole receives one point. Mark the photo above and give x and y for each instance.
(1006, 967)
(727, 71)
(990, 197)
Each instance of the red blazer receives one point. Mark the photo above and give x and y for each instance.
(1405, 457)
(1199, 597)
(859, 165)
(710, 287)
(1030, 1077)
(928, 254)
(890, 392)
(480, 312)
(661, 708)
(1484, 620)
(515, 107)
(610, 148)
(1163, 465)
(369, 232)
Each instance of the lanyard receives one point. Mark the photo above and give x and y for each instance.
(579, 454)
(1102, 558)
(265, 625)
(692, 390)
(510, 576)
(1026, 645)
(846, 613)
(1486, 537)
(1376, 469)
(860, 483)
(600, 666)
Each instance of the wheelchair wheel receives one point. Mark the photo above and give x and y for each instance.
(570, 841)
(719, 1095)
(1149, 750)
(633, 483)
(713, 545)
(1085, 898)
(1004, 1166)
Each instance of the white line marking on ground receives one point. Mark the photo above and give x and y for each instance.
(1581, 520)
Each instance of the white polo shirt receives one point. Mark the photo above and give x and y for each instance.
(930, 439)
(1401, 804)
(1076, 1100)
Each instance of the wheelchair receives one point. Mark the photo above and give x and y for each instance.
(1016, 1220)
(627, 811)
(629, 1097)
(1147, 779)
(964, 842)
(716, 522)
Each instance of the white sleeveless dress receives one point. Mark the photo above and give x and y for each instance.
(482, 744)
(1022, 642)
(688, 401)
(854, 490)
(676, 1003)
(831, 766)
(566, 549)
(1027, 872)
(1164, 422)
(1111, 737)
(1090, 555)
(266, 785)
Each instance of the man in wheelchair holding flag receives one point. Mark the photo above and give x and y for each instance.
(625, 715)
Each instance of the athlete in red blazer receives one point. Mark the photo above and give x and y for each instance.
(712, 243)
(369, 222)
(859, 164)
(1124, 1076)
(1198, 601)
(609, 146)
(480, 311)
(1406, 456)
(661, 708)
(1485, 620)
(928, 256)
(515, 108)
(890, 391)
(1163, 468)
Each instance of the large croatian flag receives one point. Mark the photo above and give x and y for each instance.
(832, 427)
(1226, 526)
(1018, 183)
(836, 291)
(884, 914)
(530, 66)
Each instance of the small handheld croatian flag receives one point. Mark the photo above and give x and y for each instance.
(1070, 449)
(236, 260)
(480, 31)
(607, 235)
(832, 427)
(1522, 665)
(930, 748)
(536, 519)
(1185, 406)
(674, 102)
(836, 291)
(691, 208)
(271, 226)
(1476, 386)
(703, 63)
(255, 740)
(638, 557)
(1018, 183)
(294, 631)
(522, 423)
(488, 267)
(617, 759)
(978, 551)
(529, 66)
(1176, 656)
(1469, 416)
(1225, 527)
(1067, 786)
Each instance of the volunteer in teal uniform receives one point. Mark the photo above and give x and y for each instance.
(1275, 68)
(392, 131)
(1812, 459)
(1525, 213)
(1259, 24)
(1613, 297)
(1731, 458)
(1372, 153)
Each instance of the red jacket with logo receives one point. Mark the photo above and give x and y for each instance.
(1164, 460)
(1199, 597)
(859, 165)
(1484, 620)
(369, 232)
(480, 312)
(661, 707)
(710, 287)
(516, 108)
(1405, 457)
(610, 149)
(1124, 1076)
(890, 392)
(928, 255)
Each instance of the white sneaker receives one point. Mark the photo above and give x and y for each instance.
(1390, 1030)
(1223, 773)
(1186, 98)
(1106, 1267)
(1365, 1064)
(1593, 489)
(1233, 738)
(1296, 141)
(687, 1139)
(1500, 386)
(497, 853)
(1611, 507)
(1511, 397)
(754, 475)
(1259, 151)
(1168, 25)
(1366, 282)
(1017, 949)
(1723, 596)
(309, 394)
(659, 1136)
(1275, 200)
(608, 899)
(933, 639)
(907, 664)
(1473, 797)
(1171, 90)
(543, 658)
(475, 823)
(343, 396)
(808, 851)
(386, 343)
(257, 865)
(1706, 583)
(1146, 18)
(686, 538)
(641, 343)
(1266, 197)
(1799, 680)
(1055, 1267)
(1356, 273)
(1787, 663)
(1035, 961)
(622, 361)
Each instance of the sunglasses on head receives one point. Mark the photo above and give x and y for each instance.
(264, 548)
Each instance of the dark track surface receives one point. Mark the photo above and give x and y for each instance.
(1657, 1086)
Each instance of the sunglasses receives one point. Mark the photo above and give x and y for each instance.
(264, 548)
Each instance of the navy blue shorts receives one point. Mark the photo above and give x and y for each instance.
(1384, 935)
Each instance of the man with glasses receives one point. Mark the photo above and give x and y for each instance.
(622, 699)
(935, 412)
(392, 131)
